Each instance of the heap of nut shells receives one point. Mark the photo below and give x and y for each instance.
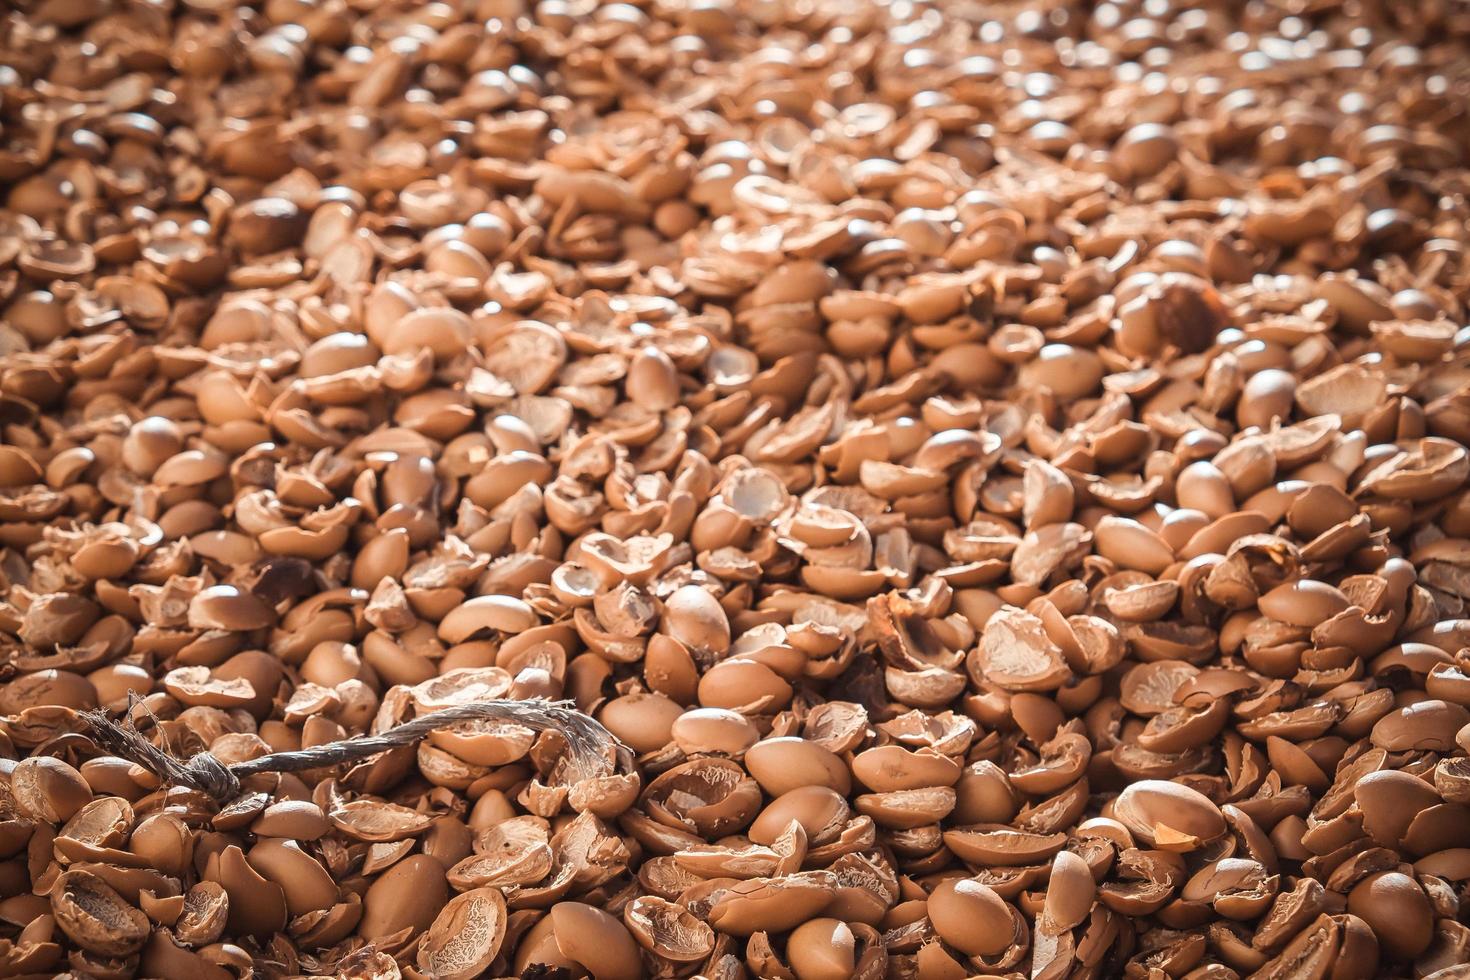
(999, 468)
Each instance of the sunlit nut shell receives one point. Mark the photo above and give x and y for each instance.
(57, 619)
(1452, 780)
(821, 812)
(408, 895)
(1146, 149)
(461, 686)
(1070, 372)
(1304, 602)
(46, 788)
(291, 819)
(489, 612)
(1396, 908)
(106, 557)
(465, 937)
(1180, 729)
(599, 942)
(605, 796)
(1266, 397)
(971, 917)
(1015, 654)
(822, 949)
(505, 476)
(1168, 814)
(668, 930)
(114, 682)
(513, 852)
(198, 686)
(771, 904)
(991, 846)
(191, 468)
(48, 688)
(783, 856)
(163, 956)
(907, 809)
(377, 821)
(445, 331)
(734, 684)
(528, 356)
(206, 910)
(892, 767)
(257, 906)
(702, 731)
(709, 797)
(1129, 544)
(1142, 603)
(1070, 892)
(929, 687)
(643, 722)
(784, 764)
(95, 916)
(224, 607)
(1149, 689)
(695, 618)
(17, 468)
(839, 582)
(306, 884)
(538, 951)
(1428, 725)
(1063, 761)
(103, 823)
(485, 742)
(1237, 888)
(299, 542)
(984, 795)
(322, 929)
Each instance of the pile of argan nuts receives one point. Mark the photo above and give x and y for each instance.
(999, 468)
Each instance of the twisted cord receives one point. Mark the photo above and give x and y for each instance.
(588, 742)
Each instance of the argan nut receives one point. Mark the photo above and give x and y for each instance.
(1396, 909)
(47, 789)
(643, 722)
(822, 949)
(781, 765)
(306, 884)
(591, 937)
(820, 811)
(406, 896)
(713, 730)
(149, 443)
(971, 917)
(257, 906)
(694, 617)
(1168, 815)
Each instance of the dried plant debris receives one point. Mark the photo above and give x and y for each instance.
(997, 471)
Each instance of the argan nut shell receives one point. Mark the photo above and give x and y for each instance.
(595, 939)
(48, 789)
(783, 764)
(257, 906)
(971, 917)
(822, 949)
(408, 895)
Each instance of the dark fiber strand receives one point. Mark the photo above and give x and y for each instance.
(587, 741)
